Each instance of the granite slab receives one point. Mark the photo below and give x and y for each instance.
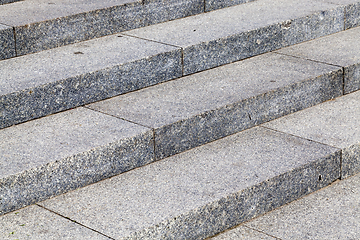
(331, 213)
(203, 107)
(352, 12)
(243, 233)
(335, 123)
(7, 42)
(39, 84)
(8, 1)
(42, 24)
(35, 222)
(211, 5)
(204, 191)
(55, 154)
(341, 49)
(234, 33)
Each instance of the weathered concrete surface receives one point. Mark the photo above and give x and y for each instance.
(37, 223)
(52, 155)
(59, 79)
(341, 49)
(203, 107)
(331, 213)
(335, 123)
(230, 34)
(201, 192)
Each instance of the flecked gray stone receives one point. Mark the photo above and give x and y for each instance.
(204, 191)
(336, 123)
(8, 1)
(7, 42)
(41, 25)
(34, 222)
(73, 75)
(352, 15)
(203, 107)
(331, 213)
(52, 155)
(230, 34)
(341, 49)
(243, 233)
(211, 5)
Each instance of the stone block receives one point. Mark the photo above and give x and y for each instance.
(7, 42)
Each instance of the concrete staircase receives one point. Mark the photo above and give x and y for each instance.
(178, 118)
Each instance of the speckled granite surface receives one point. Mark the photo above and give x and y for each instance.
(7, 42)
(203, 191)
(340, 49)
(203, 107)
(335, 123)
(65, 151)
(8, 1)
(242, 31)
(67, 77)
(217, 4)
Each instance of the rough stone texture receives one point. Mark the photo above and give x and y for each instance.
(204, 191)
(8, 1)
(243, 233)
(230, 34)
(336, 123)
(341, 49)
(82, 73)
(211, 5)
(352, 15)
(203, 107)
(40, 25)
(37, 223)
(7, 42)
(65, 151)
(331, 213)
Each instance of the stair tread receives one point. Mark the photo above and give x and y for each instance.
(196, 109)
(335, 123)
(174, 193)
(64, 151)
(73, 75)
(341, 49)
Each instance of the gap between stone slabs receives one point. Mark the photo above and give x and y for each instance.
(61, 152)
(206, 106)
(231, 34)
(341, 49)
(198, 193)
(40, 25)
(335, 123)
(78, 74)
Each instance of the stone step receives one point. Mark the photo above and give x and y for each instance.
(40, 25)
(39, 84)
(330, 213)
(52, 155)
(208, 189)
(36, 157)
(195, 194)
(206, 106)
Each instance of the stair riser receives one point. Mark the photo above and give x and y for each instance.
(236, 208)
(87, 88)
(247, 44)
(7, 42)
(352, 15)
(64, 175)
(230, 119)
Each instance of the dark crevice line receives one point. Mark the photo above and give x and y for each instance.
(118, 117)
(343, 83)
(128, 35)
(74, 221)
(15, 42)
(308, 139)
(312, 60)
(262, 232)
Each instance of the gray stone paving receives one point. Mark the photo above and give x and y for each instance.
(200, 108)
(67, 77)
(341, 49)
(203, 191)
(335, 123)
(65, 151)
